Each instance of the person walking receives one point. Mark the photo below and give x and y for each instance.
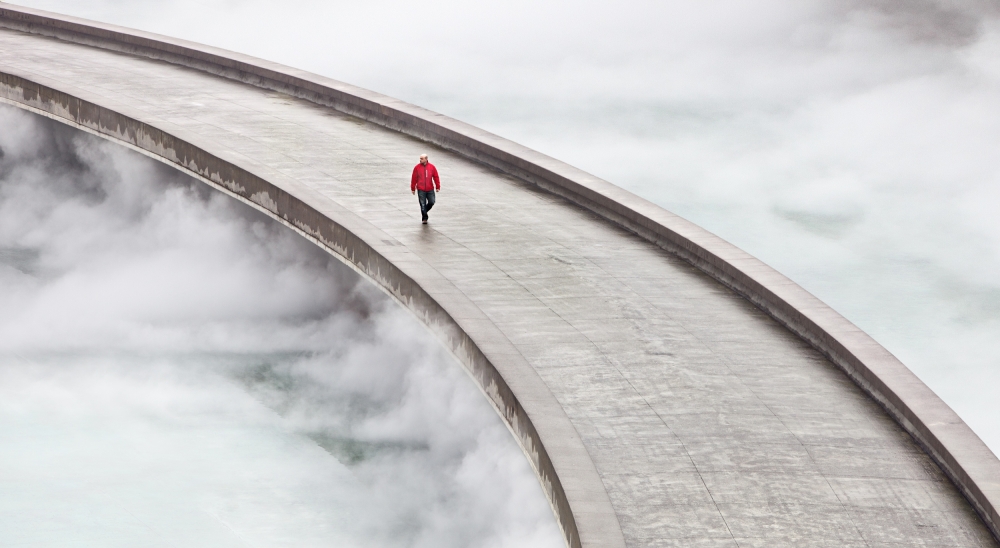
(422, 183)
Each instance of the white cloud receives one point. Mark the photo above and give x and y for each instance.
(178, 369)
(849, 144)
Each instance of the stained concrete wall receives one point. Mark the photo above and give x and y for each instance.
(942, 434)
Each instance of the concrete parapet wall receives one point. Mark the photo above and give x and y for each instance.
(964, 458)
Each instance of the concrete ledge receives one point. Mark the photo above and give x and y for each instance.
(963, 457)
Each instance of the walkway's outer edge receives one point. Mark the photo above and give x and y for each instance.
(961, 454)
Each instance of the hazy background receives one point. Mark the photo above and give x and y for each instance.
(852, 145)
(176, 369)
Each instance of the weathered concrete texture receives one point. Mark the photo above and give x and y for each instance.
(673, 412)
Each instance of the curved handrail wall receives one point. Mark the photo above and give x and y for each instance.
(961, 454)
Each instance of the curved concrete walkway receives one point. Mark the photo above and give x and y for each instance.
(659, 408)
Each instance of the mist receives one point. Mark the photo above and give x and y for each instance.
(178, 369)
(851, 145)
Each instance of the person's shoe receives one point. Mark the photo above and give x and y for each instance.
(424, 221)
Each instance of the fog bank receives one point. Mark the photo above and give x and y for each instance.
(849, 144)
(178, 369)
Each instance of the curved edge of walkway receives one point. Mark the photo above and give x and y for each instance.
(961, 454)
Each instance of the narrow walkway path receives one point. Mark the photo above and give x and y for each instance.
(707, 422)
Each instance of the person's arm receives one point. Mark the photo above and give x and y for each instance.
(413, 182)
(437, 179)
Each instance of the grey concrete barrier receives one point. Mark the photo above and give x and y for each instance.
(960, 453)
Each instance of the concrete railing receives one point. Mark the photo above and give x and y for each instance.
(963, 457)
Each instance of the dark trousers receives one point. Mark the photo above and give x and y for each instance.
(426, 199)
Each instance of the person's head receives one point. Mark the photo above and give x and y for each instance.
(423, 159)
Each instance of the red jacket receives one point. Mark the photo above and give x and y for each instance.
(425, 178)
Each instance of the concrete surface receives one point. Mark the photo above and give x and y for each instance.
(658, 407)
